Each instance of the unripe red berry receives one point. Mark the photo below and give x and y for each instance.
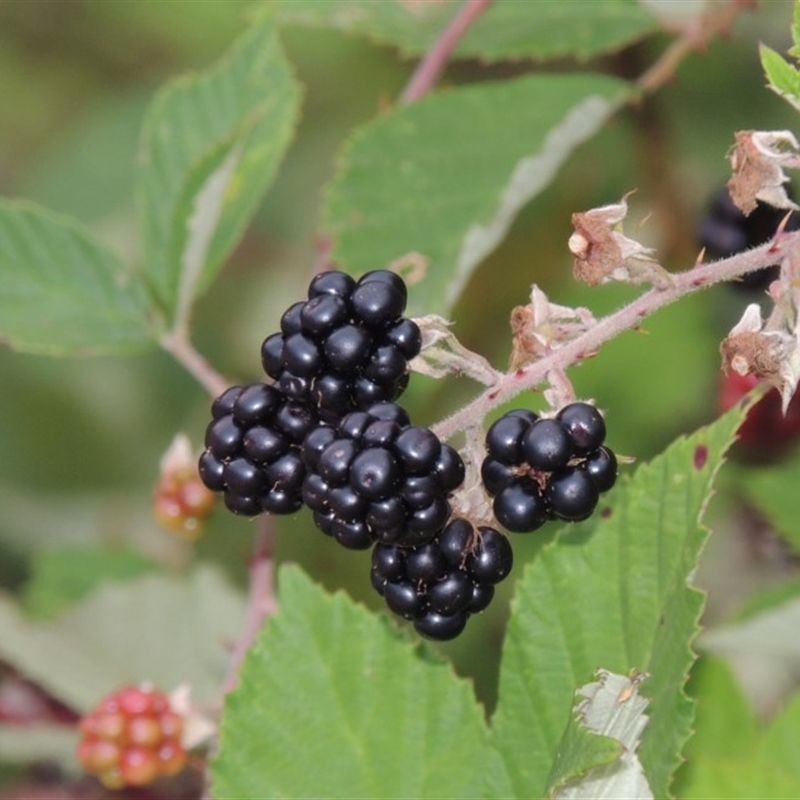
(132, 738)
(766, 432)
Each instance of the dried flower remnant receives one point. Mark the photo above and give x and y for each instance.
(758, 159)
(540, 326)
(769, 354)
(603, 253)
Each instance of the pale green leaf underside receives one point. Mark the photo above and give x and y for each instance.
(445, 177)
(612, 708)
(211, 145)
(764, 651)
(334, 703)
(768, 768)
(613, 592)
(508, 30)
(63, 293)
(773, 490)
(784, 79)
(155, 628)
(37, 743)
(60, 578)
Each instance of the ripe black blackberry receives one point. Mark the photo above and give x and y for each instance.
(438, 585)
(540, 469)
(375, 477)
(726, 231)
(252, 450)
(347, 346)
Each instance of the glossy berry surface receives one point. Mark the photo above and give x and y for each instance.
(439, 584)
(537, 469)
(252, 449)
(347, 346)
(726, 231)
(132, 738)
(377, 472)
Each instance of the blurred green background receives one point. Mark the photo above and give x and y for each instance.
(80, 440)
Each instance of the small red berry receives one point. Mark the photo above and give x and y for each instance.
(766, 432)
(132, 738)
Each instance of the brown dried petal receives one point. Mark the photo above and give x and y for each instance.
(753, 353)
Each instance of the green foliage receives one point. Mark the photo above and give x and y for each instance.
(730, 756)
(784, 79)
(612, 592)
(507, 31)
(63, 577)
(210, 148)
(460, 166)
(63, 293)
(334, 703)
(162, 629)
(773, 491)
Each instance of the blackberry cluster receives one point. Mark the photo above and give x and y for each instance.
(725, 231)
(375, 477)
(347, 346)
(438, 585)
(540, 469)
(253, 449)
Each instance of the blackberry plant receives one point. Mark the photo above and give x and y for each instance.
(593, 634)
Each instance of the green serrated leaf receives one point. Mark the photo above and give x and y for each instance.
(784, 79)
(460, 166)
(61, 578)
(613, 591)
(155, 628)
(508, 30)
(579, 751)
(211, 145)
(61, 292)
(333, 702)
(612, 708)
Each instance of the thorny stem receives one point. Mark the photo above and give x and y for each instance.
(697, 34)
(178, 344)
(261, 602)
(628, 317)
(432, 65)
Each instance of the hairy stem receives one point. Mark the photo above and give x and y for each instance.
(261, 603)
(432, 65)
(626, 318)
(178, 345)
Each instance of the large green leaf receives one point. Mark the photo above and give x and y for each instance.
(62, 292)
(211, 145)
(445, 177)
(612, 593)
(784, 79)
(333, 702)
(155, 628)
(65, 576)
(508, 30)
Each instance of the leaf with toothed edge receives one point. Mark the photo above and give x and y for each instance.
(334, 702)
(613, 591)
(456, 188)
(505, 31)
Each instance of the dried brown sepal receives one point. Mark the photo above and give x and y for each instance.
(752, 353)
(603, 253)
(758, 159)
(525, 347)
